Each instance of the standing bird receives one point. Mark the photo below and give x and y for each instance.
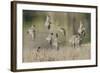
(75, 41)
(48, 22)
(55, 43)
(32, 31)
(81, 30)
(50, 39)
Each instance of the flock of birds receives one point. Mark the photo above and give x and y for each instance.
(52, 38)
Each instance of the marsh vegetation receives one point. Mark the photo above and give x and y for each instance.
(53, 31)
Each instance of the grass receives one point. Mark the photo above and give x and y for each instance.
(64, 53)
